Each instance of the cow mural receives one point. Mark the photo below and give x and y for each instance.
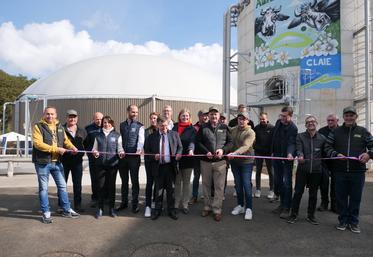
(266, 23)
(316, 14)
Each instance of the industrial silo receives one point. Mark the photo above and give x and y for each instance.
(309, 54)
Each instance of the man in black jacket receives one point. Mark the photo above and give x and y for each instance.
(133, 137)
(332, 123)
(349, 140)
(93, 130)
(213, 140)
(74, 163)
(166, 147)
(262, 147)
(310, 146)
(283, 145)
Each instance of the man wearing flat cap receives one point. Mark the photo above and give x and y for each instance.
(213, 140)
(74, 163)
(349, 140)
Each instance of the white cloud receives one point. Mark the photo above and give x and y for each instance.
(100, 19)
(41, 48)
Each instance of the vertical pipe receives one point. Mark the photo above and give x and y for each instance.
(226, 62)
(27, 125)
(45, 103)
(367, 65)
(4, 109)
(154, 103)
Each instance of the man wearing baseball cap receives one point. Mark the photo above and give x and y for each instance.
(74, 163)
(213, 140)
(349, 140)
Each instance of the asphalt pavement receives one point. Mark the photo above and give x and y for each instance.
(23, 234)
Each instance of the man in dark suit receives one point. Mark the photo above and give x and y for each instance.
(166, 147)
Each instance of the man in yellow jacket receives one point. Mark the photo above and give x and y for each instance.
(49, 143)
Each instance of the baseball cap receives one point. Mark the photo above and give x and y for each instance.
(214, 108)
(244, 114)
(202, 112)
(349, 109)
(71, 112)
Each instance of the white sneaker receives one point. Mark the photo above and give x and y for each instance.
(270, 195)
(148, 212)
(238, 210)
(248, 214)
(257, 193)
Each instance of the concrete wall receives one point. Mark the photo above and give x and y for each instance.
(311, 101)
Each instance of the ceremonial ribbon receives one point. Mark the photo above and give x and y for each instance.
(226, 155)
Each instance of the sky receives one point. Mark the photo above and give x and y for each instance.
(40, 36)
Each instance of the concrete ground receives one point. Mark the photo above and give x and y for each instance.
(23, 234)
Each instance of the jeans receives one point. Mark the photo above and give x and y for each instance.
(242, 180)
(283, 171)
(196, 177)
(130, 164)
(76, 174)
(56, 170)
(348, 190)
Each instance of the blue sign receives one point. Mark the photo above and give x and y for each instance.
(321, 72)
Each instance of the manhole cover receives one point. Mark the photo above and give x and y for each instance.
(161, 250)
(61, 254)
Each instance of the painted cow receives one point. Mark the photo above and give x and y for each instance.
(266, 23)
(317, 14)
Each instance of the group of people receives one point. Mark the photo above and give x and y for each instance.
(173, 150)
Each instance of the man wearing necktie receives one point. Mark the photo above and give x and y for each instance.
(165, 150)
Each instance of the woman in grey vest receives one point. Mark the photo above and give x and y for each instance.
(106, 149)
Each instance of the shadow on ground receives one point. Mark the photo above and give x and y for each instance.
(22, 233)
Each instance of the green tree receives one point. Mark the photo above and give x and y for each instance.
(10, 88)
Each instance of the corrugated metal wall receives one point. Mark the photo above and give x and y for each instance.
(114, 107)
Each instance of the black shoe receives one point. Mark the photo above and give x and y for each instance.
(355, 228)
(312, 220)
(278, 210)
(122, 206)
(185, 210)
(323, 207)
(155, 215)
(292, 219)
(173, 215)
(113, 213)
(93, 204)
(341, 226)
(78, 208)
(135, 208)
(285, 213)
(98, 214)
